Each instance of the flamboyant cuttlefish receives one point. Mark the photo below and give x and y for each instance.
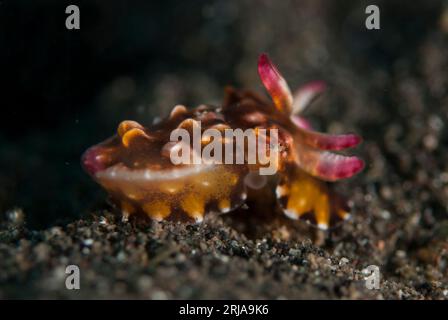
(136, 169)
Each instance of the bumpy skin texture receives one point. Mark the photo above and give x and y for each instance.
(134, 166)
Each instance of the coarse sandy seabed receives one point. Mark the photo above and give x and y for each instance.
(389, 86)
(215, 260)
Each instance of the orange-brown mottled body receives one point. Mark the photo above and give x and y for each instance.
(135, 167)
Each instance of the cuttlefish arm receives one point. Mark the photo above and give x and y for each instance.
(302, 191)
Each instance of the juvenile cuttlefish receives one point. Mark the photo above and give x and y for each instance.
(135, 166)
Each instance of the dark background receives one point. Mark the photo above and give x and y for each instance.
(64, 90)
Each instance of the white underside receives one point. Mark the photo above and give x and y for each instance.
(119, 172)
